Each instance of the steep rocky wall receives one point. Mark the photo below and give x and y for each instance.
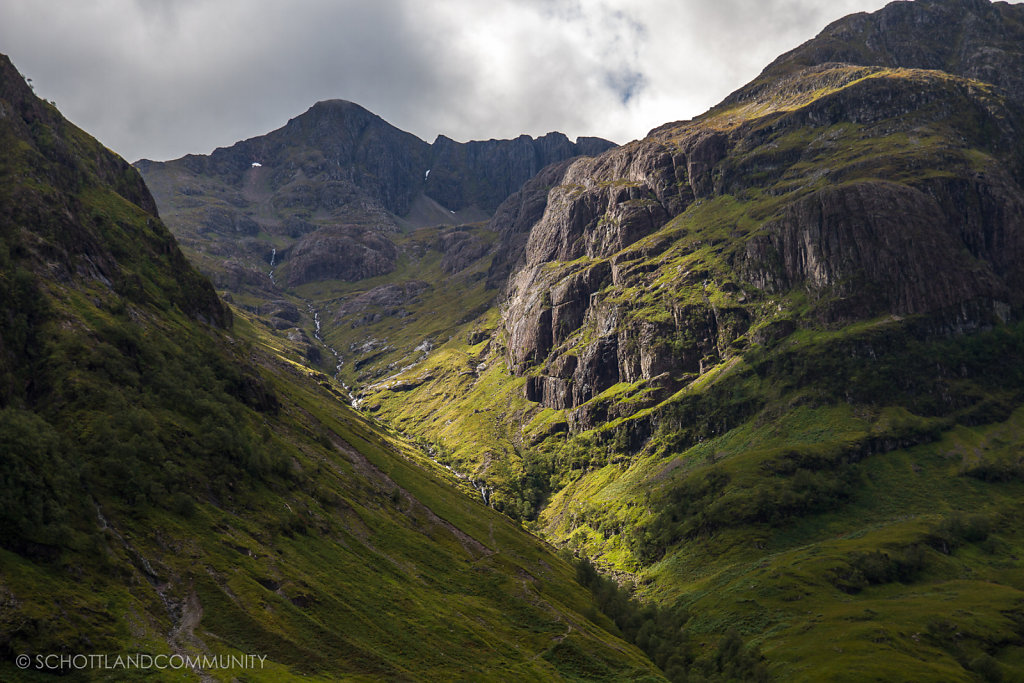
(898, 244)
(484, 173)
(843, 193)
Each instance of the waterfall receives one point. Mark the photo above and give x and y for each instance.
(334, 352)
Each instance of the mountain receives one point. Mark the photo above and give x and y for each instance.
(335, 179)
(978, 40)
(767, 364)
(762, 367)
(171, 484)
(338, 202)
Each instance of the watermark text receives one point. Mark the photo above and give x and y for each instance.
(137, 660)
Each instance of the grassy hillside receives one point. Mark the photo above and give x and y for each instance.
(762, 368)
(347, 557)
(859, 485)
(172, 482)
(838, 484)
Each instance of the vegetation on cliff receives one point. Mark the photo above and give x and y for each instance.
(767, 362)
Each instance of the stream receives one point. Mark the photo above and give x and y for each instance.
(478, 484)
(485, 492)
(334, 352)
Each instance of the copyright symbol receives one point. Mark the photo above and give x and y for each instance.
(23, 661)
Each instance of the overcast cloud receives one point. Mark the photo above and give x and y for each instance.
(162, 78)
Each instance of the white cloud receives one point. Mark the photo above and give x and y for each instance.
(161, 78)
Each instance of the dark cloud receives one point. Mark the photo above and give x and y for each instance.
(161, 78)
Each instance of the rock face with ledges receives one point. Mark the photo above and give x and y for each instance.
(515, 217)
(863, 174)
(485, 173)
(874, 237)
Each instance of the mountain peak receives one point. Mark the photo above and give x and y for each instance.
(338, 117)
(970, 38)
(339, 103)
(337, 107)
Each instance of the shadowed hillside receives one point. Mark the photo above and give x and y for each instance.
(171, 484)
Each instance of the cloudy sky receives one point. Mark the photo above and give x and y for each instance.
(163, 78)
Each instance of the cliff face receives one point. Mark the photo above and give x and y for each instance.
(515, 217)
(824, 192)
(484, 173)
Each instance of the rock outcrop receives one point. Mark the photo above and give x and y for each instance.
(460, 248)
(338, 253)
(385, 300)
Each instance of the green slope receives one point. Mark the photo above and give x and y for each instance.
(836, 477)
(812, 442)
(171, 483)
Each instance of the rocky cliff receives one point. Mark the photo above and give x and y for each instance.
(825, 192)
(485, 173)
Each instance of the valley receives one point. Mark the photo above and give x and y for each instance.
(174, 485)
(739, 400)
(737, 364)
